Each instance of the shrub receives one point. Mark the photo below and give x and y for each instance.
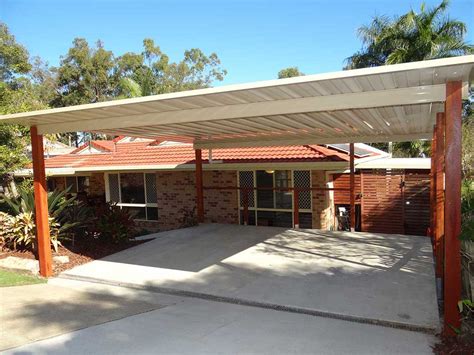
(111, 223)
(467, 210)
(20, 229)
(189, 218)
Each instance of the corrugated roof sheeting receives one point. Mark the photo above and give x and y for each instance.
(374, 104)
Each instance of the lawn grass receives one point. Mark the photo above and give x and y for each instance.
(18, 278)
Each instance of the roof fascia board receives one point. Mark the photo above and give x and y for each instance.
(177, 167)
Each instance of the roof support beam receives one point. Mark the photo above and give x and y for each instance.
(368, 99)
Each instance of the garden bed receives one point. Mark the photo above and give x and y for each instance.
(78, 254)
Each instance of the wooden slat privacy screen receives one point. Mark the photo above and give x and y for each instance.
(341, 181)
(382, 202)
(417, 202)
(393, 201)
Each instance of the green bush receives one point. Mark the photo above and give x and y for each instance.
(111, 223)
(18, 227)
(20, 231)
(467, 210)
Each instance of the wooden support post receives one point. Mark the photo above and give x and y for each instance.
(433, 188)
(452, 208)
(43, 242)
(352, 187)
(199, 187)
(296, 209)
(439, 194)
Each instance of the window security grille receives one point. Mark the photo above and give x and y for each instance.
(246, 179)
(114, 188)
(150, 183)
(302, 179)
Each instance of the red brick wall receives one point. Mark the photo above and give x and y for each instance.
(321, 205)
(220, 206)
(177, 191)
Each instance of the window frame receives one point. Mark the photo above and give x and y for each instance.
(145, 191)
(76, 183)
(255, 208)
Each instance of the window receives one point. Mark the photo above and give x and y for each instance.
(132, 188)
(51, 184)
(265, 196)
(135, 192)
(269, 198)
(283, 199)
(267, 204)
(77, 184)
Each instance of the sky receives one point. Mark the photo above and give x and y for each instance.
(253, 39)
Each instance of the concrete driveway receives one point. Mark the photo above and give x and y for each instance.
(357, 276)
(184, 325)
(34, 312)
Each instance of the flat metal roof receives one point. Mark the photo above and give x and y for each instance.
(395, 163)
(387, 103)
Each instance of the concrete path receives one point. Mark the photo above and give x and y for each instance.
(194, 326)
(371, 276)
(30, 313)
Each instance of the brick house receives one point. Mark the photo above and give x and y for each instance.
(156, 182)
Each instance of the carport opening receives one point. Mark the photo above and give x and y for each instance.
(382, 104)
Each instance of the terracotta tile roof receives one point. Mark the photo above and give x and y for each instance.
(146, 153)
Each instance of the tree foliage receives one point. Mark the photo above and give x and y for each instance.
(93, 74)
(14, 58)
(289, 72)
(85, 75)
(428, 34)
(18, 93)
(88, 74)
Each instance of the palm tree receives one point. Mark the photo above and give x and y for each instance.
(429, 34)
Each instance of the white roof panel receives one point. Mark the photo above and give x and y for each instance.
(388, 103)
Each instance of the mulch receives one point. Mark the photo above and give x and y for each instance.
(454, 346)
(78, 254)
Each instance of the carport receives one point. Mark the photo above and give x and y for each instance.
(419, 100)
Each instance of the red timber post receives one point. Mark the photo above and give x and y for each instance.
(352, 187)
(433, 188)
(439, 191)
(43, 242)
(199, 187)
(452, 208)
